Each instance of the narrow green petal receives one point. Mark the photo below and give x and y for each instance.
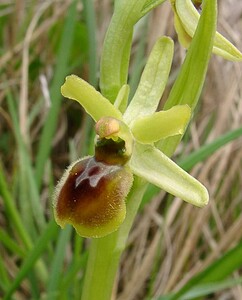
(121, 101)
(153, 81)
(92, 101)
(189, 17)
(162, 124)
(151, 164)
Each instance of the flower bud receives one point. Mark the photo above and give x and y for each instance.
(91, 197)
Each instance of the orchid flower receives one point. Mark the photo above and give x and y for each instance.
(186, 19)
(91, 194)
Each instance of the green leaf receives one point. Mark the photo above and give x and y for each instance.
(153, 81)
(188, 85)
(92, 101)
(162, 124)
(151, 164)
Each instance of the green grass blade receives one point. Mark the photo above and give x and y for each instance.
(12, 211)
(217, 271)
(40, 245)
(72, 282)
(57, 265)
(28, 194)
(89, 14)
(10, 244)
(206, 150)
(5, 280)
(210, 288)
(16, 221)
(59, 74)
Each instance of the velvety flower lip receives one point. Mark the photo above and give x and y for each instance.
(94, 201)
(90, 196)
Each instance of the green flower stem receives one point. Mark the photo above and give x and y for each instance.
(105, 252)
(117, 46)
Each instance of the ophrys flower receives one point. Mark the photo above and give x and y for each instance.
(91, 194)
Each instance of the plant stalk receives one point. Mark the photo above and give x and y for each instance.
(105, 252)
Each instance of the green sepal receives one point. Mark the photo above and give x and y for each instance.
(91, 100)
(154, 166)
(162, 124)
(153, 81)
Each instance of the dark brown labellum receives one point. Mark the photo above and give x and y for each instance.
(91, 195)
